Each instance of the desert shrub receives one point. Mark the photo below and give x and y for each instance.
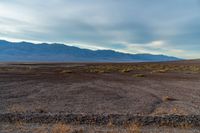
(100, 69)
(61, 128)
(160, 71)
(66, 71)
(126, 70)
(139, 75)
(195, 68)
(167, 98)
(134, 128)
(169, 111)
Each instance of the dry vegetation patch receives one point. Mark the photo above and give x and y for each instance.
(134, 128)
(169, 111)
(61, 128)
(168, 98)
(66, 71)
(16, 108)
(139, 75)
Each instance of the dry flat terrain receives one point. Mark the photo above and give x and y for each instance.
(103, 94)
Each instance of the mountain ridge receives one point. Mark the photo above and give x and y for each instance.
(56, 52)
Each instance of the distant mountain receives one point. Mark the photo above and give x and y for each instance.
(29, 52)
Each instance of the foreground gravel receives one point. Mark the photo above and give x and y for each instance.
(101, 119)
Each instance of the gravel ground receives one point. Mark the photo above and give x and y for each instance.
(135, 89)
(101, 119)
(54, 128)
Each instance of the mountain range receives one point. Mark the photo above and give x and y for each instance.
(30, 52)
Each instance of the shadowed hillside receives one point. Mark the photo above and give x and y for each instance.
(25, 51)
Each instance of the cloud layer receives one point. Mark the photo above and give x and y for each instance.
(136, 26)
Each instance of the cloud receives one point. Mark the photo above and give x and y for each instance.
(165, 27)
(155, 47)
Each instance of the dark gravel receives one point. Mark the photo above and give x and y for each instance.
(101, 119)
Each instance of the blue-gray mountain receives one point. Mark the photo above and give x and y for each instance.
(29, 52)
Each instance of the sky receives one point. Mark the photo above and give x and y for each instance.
(170, 27)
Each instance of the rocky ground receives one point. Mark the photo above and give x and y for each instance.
(147, 94)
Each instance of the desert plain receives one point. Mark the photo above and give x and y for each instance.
(100, 97)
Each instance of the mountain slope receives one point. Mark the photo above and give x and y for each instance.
(24, 51)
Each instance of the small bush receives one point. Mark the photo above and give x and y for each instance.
(66, 71)
(139, 75)
(126, 70)
(134, 128)
(61, 128)
(167, 98)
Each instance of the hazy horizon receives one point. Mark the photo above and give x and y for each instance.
(130, 26)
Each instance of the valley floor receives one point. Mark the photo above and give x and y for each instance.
(139, 89)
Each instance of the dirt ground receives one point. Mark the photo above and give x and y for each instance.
(60, 128)
(148, 89)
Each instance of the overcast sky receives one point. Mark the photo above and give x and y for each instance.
(170, 27)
